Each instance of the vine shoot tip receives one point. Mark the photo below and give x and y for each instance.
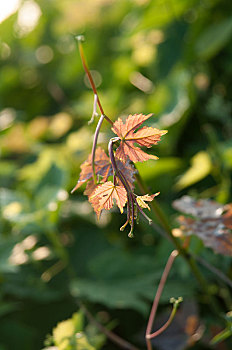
(175, 301)
(80, 38)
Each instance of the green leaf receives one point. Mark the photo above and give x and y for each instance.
(72, 335)
(152, 169)
(47, 195)
(200, 168)
(8, 196)
(6, 247)
(161, 13)
(27, 284)
(214, 38)
(119, 280)
(16, 334)
(6, 308)
(55, 176)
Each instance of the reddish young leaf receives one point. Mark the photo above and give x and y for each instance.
(102, 167)
(209, 223)
(90, 188)
(147, 136)
(103, 197)
(96, 206)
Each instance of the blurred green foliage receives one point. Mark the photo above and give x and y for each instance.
(170, 58)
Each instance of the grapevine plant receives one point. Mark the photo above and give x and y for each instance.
(111, 178)
(123, 153)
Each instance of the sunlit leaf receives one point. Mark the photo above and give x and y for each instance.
(60, 124)
(72, 333)
(200, 168)
(141, 200)
(103, 197)
(147, 136)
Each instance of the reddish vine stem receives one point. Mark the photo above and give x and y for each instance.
(166, 271)
(164, 327)
(79, 39)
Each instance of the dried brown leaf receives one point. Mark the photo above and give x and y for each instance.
(208, 222)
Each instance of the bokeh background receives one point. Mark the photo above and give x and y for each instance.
(171, 58)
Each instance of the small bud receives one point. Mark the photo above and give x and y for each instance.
(130, 234)
(176, 302)
(80, 38)
(122, 228)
